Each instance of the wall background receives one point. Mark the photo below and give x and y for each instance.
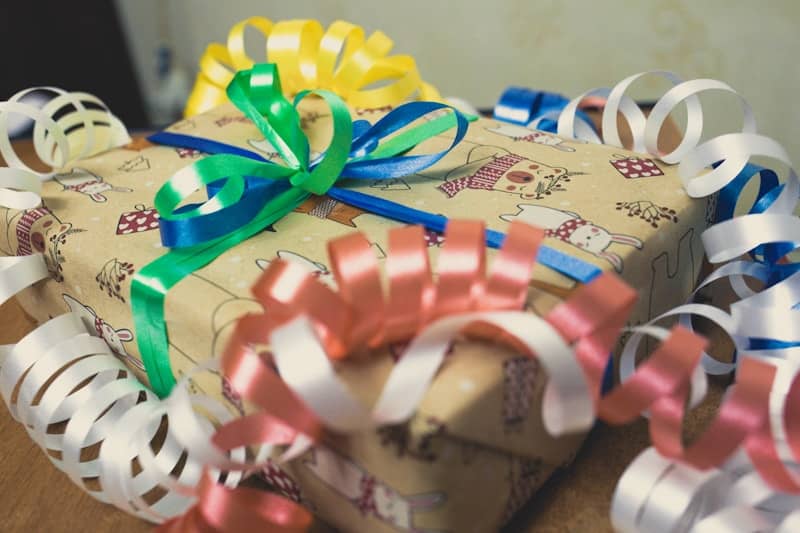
(475, 48)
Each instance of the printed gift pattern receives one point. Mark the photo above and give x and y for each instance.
(571, 228)
(480, 426)
(138, 220)
(636, 167)
(38, 230)
(368, 493)
(508, 173)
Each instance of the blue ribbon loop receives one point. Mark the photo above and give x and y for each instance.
(256, 190)
(519, 105)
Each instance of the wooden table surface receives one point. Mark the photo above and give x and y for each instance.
(37, 497)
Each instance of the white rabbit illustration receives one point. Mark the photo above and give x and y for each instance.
(82, 181)
(520, 133)
(113, 337)
(369, 494)
(571, 228)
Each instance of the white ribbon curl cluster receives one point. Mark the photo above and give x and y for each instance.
(654, 494)
(69, 126)
(75, 398)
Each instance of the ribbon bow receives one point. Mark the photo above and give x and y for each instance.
(308, 59)
(297, 392)
(247, 195)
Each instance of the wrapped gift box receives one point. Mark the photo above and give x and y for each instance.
(477, 448)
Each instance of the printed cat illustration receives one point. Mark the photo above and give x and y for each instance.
(38, 230)
(268, 150)
(368, 493)
(674, 272)
(84, 182)
(569, 227)
(520, 133)
(319, 270)
(113, 337)
(492, 168)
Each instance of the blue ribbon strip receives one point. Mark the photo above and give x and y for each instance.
(769, 254)
(519, 105)
(573, 267)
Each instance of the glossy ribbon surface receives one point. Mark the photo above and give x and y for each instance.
(340, 59)
(249, 195)
(307, 325)
(539, 109)
(90, 415)
(74, 396)
(568, 265)
(759, 418)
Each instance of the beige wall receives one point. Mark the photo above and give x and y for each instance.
(474, 48)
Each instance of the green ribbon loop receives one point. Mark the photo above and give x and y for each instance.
(235, 214)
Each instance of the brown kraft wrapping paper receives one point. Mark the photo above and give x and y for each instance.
(477, 449)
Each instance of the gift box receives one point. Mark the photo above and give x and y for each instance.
(477, 449)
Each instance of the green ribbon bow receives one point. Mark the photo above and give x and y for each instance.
(222, 221)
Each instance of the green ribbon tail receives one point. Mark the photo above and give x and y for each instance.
(150, 285)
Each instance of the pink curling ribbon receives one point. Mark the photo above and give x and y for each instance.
(740, 475)
(572, 342)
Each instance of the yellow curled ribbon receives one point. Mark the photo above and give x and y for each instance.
(340, 60)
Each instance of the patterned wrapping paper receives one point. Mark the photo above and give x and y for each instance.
(477, 449)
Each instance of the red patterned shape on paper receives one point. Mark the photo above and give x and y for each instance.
(636, 167)
(136, 221)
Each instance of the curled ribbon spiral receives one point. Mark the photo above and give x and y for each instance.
(760, 413)
(94, 420)
(340, 59)
(114, 438)
(307, 325)
(67, 127)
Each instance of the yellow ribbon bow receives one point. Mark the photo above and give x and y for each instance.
(307, 59)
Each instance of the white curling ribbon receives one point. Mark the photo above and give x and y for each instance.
(93, 392)
(59, 373)
(657, 495)
(303, 364)
(764, 314)
(16, 273)
(64, 130)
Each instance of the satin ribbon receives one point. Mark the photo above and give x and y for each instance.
(66, 386)
(570, 266)
(759, 414)
(340, 59)
(539, 109)
(72, 393)
(200, 233)
(59, 375)
(308, 325)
